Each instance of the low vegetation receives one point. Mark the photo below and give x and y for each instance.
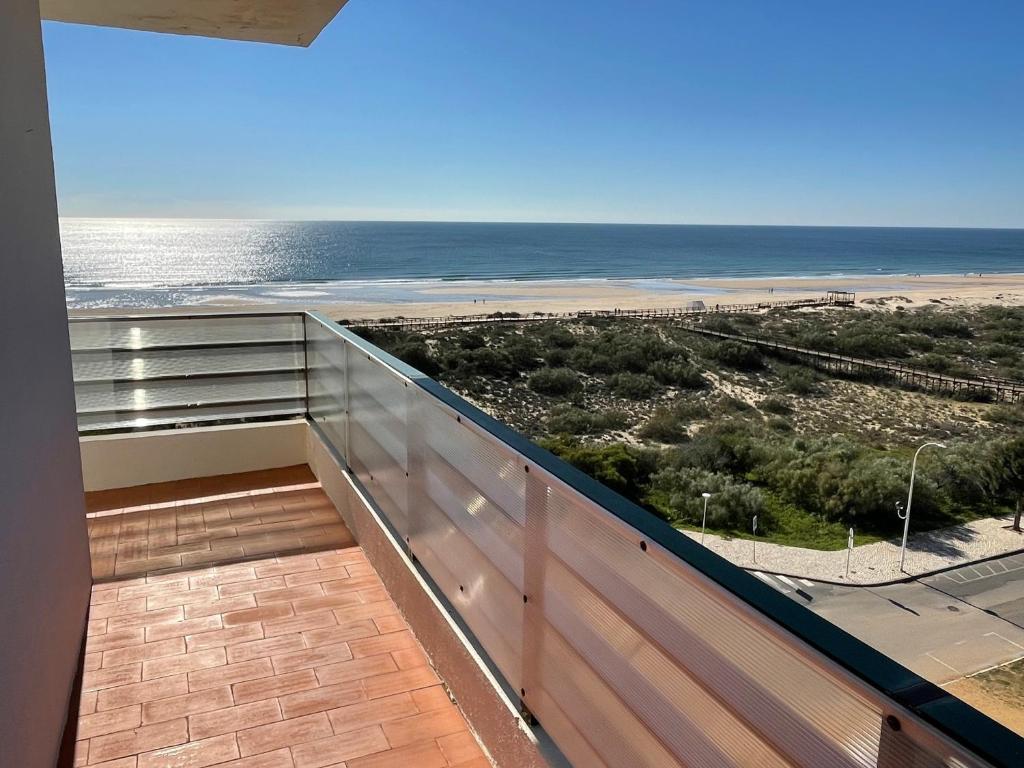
(663, 415)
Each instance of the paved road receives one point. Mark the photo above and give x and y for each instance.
(943, 627)
(996, 587)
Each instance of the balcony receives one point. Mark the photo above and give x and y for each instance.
(307, 553)
(234, 617)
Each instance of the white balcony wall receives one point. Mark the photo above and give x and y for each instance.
(139, 458)
(44, 553)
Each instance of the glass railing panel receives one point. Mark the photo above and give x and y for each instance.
(454, 496)
(157, 394)
(149, 331)
(630, 644)
(104, 365)
(466, 527)
(107, 421)
(327, 382)
(669, 664)
(377, 428)
(158, 371)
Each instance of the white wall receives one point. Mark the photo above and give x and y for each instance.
(44, 553)
(139, 458)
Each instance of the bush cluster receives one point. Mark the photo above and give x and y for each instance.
(569, 420)
(555, 382)
(735, 354)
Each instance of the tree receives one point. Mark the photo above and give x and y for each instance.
(1008, 468)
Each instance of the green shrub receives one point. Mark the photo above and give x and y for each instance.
(972, 395)
(1010, 415)
(416, 354)
(734, 354)
(664, 426)
(799, 382)
(677, 373)
(523, 353)
(932, 322)
(776, 405)
(730, 404)
(633, 386)
(691, 410)
(715, 448)
(719, 323)
(486, 362)
(676, 493)
(556, 335)
(576, 421)
(555, 382)
(556, 357)
(935, 362)
(622, 468)
(470, 340)
(870, 341)
(586, 360)
(920, 343)
(1001, 353)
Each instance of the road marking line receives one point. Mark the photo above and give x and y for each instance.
(806, 583)
(769, 581)
(785, 581)
(995, 666)
(940, 661)
(1006, 639)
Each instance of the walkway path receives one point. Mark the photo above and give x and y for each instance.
(998, 389)
(878, 563)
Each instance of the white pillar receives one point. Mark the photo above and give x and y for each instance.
(44, 554)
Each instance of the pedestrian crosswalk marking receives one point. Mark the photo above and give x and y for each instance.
(771, 581)
(785, 581)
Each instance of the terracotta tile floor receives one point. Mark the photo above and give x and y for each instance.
(170, 526)
(236, 625)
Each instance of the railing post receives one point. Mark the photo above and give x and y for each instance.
(895, 750)
(347, 377)
(305, 359)
(415, 457)
(535, 545)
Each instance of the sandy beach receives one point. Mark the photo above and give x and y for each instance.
(884, 292)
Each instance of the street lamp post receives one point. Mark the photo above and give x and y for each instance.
(704, 520)
(910, 499)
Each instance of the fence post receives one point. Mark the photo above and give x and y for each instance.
(535, 546)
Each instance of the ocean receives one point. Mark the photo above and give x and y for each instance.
(174, 262)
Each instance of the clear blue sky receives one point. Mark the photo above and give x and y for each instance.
(887, 112)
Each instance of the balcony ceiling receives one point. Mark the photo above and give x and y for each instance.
(286, 22)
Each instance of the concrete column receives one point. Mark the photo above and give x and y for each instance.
(44, 554)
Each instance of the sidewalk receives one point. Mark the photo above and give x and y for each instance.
(876, 564)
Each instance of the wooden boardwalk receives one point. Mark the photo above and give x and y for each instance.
(999, 390)
(994, 388)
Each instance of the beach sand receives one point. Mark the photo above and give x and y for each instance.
(880, 293)
(884, 292)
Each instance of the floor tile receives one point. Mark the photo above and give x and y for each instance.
(294, 657)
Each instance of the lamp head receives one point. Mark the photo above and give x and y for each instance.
(706, 495)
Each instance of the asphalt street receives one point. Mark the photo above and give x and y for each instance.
(943, 627)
